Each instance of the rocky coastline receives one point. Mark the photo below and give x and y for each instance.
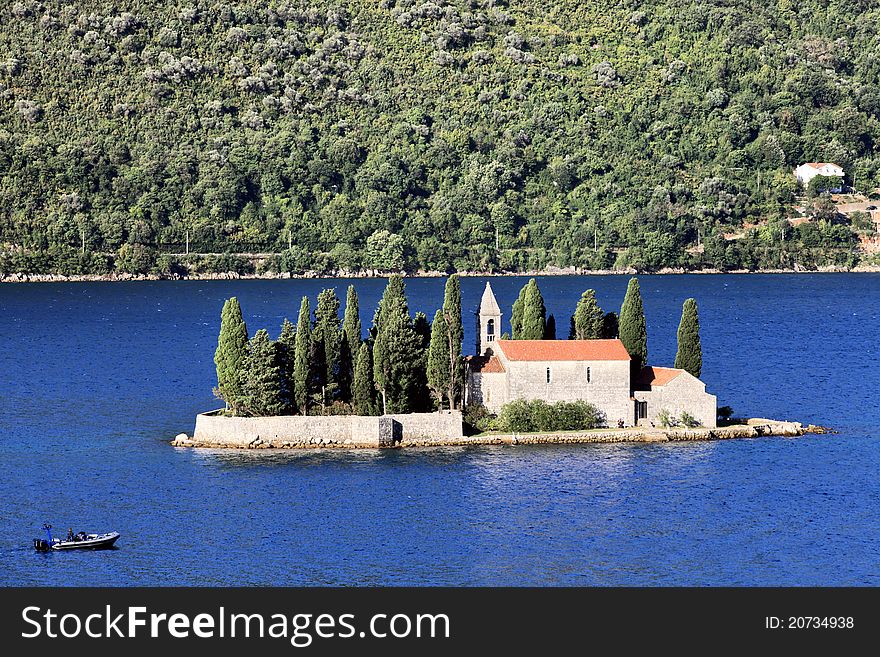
(751, 428)
(552, 271)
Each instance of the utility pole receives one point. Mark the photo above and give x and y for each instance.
(187, 241)
(82, 234)
(496, 238)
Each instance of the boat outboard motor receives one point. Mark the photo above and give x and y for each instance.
(41, 545)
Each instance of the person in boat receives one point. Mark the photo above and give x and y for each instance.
(70, 536)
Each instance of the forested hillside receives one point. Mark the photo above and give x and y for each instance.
(444, 135)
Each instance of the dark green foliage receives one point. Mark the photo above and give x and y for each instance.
(135, 259)
(477, 419)
(823, 184)
(523, 416)
(262, 387)
(438, 358)
(633, 328)
(397, 351)
(588, 320)
(286, 358)
(352, 135)
(363, 389)
(232, 345)
(350, 343)
(454, 338)
(516, 314)
(725, 413)
(302, 371)
(533, 322)
(689, 356)
(610, 326)
(550, 330)
(327, 336)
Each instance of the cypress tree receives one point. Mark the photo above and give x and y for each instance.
(610, 326)
(350, 343)
(454, 337)
(633, 329)
(689, 356)
(588, 320)
(419, 395)
(302, 353)
(534, 314)
(516, 314)
(438, 358)
(363, 391)
(550, 330)
(232, 345)
(325, 356)
(261, 380)
(396, 350)
(286, 351)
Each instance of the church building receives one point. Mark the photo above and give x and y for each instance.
(596, 371)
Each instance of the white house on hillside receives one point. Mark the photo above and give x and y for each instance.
(809, 170)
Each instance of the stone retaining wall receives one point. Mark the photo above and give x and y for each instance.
(217, 430)
(438, 429)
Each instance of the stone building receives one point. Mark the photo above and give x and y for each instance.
(595, 371)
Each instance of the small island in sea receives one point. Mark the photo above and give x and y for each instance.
(408, 383)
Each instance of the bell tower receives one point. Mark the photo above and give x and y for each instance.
(489, 321)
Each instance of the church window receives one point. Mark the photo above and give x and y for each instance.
(588, 375)
(548, 375)
(490, 330)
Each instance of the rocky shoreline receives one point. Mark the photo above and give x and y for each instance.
(568, 271)
(751, 428)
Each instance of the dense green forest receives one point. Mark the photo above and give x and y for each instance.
(444, 135)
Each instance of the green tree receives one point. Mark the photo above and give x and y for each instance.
(286, 358)
(610, 326)
(454, 338)
(438, 358)
(633, 328)
(689, 356)
(261, 379)
(534, 314)
(516, 314)
(363, 389)
(327, 332)
(232, 346)
(349, 344)
(301, 358)
(396, 350)
(588, 320)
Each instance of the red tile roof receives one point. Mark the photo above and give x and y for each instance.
(655, 376)
(563, 349)
(486, 364)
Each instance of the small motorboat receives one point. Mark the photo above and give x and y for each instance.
(79, 541)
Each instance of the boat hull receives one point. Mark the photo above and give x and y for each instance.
(91, 542)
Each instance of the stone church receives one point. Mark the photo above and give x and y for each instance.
(595, 371)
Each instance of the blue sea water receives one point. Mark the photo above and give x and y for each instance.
(96, 378)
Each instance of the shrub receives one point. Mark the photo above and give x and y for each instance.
(478, 417)
(666, 419)
(135, 259)
(725, 412)
(688, 420)
(537, 415)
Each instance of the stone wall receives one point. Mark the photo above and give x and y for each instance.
(607, 388)
(213, 429)
(684, 393)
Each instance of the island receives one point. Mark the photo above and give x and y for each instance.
(407, 383)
